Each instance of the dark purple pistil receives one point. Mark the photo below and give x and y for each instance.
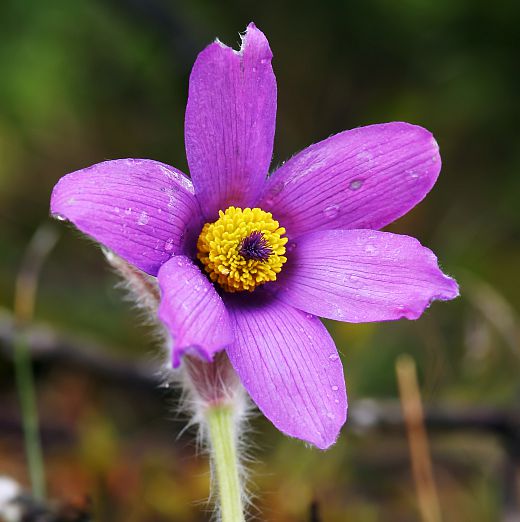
(255, 246)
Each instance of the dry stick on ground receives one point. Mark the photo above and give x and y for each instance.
(428, 499)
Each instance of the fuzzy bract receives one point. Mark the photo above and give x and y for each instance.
(319, 213)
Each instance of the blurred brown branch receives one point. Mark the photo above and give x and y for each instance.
(368, 414)
(48, 346)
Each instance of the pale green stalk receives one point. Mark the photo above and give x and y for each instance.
(27, 397)
(223, 441)
(25, 295)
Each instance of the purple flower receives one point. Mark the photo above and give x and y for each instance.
(245, 263)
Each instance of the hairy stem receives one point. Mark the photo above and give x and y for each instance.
(213, 395)
(223, 441)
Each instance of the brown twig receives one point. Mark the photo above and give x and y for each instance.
(411, 404)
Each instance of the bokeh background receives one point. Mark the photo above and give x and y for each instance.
(85, 81)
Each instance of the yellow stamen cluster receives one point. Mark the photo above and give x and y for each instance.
(220, 245)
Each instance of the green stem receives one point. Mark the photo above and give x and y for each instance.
(36, 252)
(25, 384)
(225, 461)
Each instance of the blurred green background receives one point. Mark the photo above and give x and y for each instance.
(85, 81)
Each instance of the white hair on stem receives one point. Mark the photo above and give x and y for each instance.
(205, 387)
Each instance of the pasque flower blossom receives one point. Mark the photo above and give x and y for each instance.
(246, 261)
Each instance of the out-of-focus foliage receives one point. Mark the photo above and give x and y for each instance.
(85, 81)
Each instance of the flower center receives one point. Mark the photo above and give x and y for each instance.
(243, 249)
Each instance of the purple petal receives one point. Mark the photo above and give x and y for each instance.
(230, 122)
(362, 178)
(143, 210)
(289, 364)
(362, 275)
(192, 311)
